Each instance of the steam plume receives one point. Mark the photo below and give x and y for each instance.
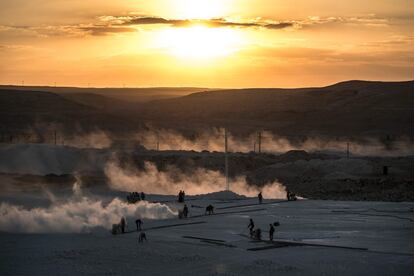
(76, 215)
(201, 181)
(212, 140)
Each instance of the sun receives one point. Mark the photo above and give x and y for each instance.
(199, 42)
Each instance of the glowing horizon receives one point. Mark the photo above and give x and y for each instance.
(215, 43)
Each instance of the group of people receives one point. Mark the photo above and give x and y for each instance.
(122, 225)
(141, 236)
(290, 196)
(184, 212)
(181, 196)
(257, 233)
(134, 197)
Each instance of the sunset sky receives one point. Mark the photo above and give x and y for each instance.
(208, 43)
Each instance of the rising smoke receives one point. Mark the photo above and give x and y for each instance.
(213, 140)
(96, 139)
(200, 181)
(77, 214)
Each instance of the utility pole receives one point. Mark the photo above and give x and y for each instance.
(226, 165)
(347, 150)
(259, 136)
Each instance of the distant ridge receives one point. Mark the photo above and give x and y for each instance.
(125, 94)
(352, 109)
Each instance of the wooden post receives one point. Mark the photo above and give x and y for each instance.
(347, 150)
(260, 141)
(226, 161)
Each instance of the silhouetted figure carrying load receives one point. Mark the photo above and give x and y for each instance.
(271, 232)
(185, 211)
(141, 237)
(139, 223)
(123, 224)
(209, 210)
(260, 197)
(251, 227)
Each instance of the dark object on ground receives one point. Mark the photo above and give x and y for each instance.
(116, 229)
(258, 234)
(204, 239)
(142, 236)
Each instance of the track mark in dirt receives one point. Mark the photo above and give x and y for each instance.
(168, 226)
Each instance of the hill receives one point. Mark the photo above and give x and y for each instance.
(34, 110)
(136, 95)
(355, 107)
(346, 109)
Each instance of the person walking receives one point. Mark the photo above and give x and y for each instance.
(123, 224)
(139, 223)
(185, 211)
(271, 232)
(251, 227)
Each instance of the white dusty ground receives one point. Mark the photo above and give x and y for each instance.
(381, 233)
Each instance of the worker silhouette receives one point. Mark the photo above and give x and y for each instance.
(271, 232)
(139, 223)
(260, 197)
(251, 227)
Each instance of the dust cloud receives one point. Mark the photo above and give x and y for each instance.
(95, 140)
(213, 140)
(76, 215)
(201, 181)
